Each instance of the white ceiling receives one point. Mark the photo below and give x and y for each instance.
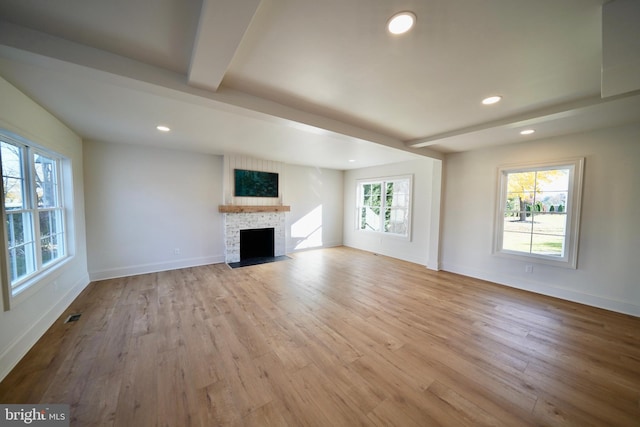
(313, 82)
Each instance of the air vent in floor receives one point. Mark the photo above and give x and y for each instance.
(73, 318)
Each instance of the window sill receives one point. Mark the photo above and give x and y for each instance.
(538, 259)
(380, 234)
(38, 282)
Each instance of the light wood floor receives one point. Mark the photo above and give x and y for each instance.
(333, 337)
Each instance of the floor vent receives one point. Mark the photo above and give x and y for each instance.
(73, 318)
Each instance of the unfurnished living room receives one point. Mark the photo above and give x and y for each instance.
(320, 213)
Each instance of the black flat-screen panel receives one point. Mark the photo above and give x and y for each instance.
(255, 183)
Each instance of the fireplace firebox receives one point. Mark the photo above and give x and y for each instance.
(256, 243)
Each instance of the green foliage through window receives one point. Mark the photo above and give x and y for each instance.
(384, 205)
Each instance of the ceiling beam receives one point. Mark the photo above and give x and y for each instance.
(527, 119)
(33, 47)
(221, 27)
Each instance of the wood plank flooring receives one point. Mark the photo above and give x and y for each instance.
(334, 337)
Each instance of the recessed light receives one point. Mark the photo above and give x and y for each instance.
(491, 100)
(162, 128)
(527, 132)
(351, 161)
(401, 22)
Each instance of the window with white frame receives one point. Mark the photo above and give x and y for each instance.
(539, 210)
(384, 205)
(35, 236)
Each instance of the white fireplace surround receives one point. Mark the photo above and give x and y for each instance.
(234, 222)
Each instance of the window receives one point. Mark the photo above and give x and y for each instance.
(384, 205)
(35, 224)
(538, 212)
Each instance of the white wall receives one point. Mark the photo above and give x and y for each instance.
(142, 203)
(39, 307)
(610, 232)
(145, 203)
(316, 199)
(423, 246)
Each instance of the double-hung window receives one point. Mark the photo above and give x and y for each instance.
(35, 235)
(538, 212)
(384, 205)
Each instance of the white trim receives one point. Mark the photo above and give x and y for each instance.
(383, 180)
(23, 287)
(37, 282)
(545, 289)
(574, 204)
(18, 348)
(291, 250)
(156, 267)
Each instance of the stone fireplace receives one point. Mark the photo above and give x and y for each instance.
(237, 218)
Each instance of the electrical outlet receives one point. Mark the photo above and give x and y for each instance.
(528, 268)
(176, 251)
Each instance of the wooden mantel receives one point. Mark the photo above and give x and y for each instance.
(251, 209)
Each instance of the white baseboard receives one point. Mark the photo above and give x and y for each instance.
(134, 270)
(290, 250)
(545, 289)
(19, 347)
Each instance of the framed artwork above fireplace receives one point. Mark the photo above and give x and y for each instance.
(250, 183)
